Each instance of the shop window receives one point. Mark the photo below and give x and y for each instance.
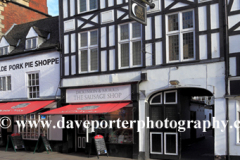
(156, 99)
(130, 45)
(170, 97)
(180, 36)
(33, 85)
(3, 50)
(5, 83)
(115, 134)
(31, 43)
(88, 53)
(33, 132)
(87, 5)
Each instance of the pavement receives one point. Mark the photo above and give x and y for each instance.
(202, 150)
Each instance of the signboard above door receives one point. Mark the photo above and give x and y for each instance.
(99, 94)
(138, 11)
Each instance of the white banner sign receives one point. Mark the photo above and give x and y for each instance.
(99, 94)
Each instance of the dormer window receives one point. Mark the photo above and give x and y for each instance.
(4, 50)
(31, 43)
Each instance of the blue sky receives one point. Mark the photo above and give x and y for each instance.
(52, 7)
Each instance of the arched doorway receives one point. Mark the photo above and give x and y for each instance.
(166, 109)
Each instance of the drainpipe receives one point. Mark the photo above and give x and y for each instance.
(226, 58)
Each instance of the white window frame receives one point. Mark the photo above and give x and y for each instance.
(165, 143)
(31, 43)
(8, 48)
(238, 119)
(159, 94)
(130, 40)
(180, 33)
(28, 93)
(88, 48)
(88, 7)
(176, 97)
(7, 90)
(160, 133)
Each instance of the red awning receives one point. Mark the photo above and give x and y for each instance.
(2, 104)
(101, 108)
(22, 108)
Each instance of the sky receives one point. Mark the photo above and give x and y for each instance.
(52, 7)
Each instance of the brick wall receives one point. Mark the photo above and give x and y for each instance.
(40, 5)
(11, 13)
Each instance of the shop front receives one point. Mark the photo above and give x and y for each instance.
(102, 107)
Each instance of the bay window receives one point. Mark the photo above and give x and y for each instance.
(130, 45)
(180, 36)
(88, 51)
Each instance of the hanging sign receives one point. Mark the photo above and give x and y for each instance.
(138, 11)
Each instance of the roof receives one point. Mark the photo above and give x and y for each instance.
(43, 27)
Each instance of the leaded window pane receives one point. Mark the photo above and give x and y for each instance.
(187, 18)
(125, 55)
(93, 4)
(124, 32)
(173, 22)
(84, 60)
(137, 58)
(188, 52)
(84, 39)
(94, 36)
(136, 30)
(173, 48)
(94, 59)
(83, 5)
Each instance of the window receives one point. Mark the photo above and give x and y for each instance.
(180, 36)
(130, 45)
(5, 83)
(3, 50)
(33, 133)
(88, 53)
(31, 43)
(33, 85)
(87, 5)
(170, 97)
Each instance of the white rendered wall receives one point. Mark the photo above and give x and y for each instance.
(49, 76)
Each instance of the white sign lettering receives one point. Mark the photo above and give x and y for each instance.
(99, 94)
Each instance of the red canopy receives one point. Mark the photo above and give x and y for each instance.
(22, 108)
(100, 108)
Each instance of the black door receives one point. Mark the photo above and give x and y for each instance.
(164, 141)
(193, 133)
(81, 134)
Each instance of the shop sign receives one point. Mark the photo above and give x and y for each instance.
(99, 94)
(138, 11)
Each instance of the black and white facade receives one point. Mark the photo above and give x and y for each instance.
(184, 42)
(30, 74)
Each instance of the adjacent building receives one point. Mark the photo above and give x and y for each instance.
(30, 77)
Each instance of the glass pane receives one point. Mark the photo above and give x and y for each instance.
(157, 99)
(93, 38)
(173, 48)
(84, 39)
(33, 82)
(83, 5)
(187, 18)
(28, 43)
(136, 27)
(171, 112)
(84, 61)
(156, 113)
(30, 95)
(93, 4)
(125, 55)
(137, 58)
(4, 83)
(9, 83)
(1, 51)
(156, 143)
(94, 59)
(170, 97)
(173, 22)
(188, 46)
(5, 50)
(1, 84)
(33, 76)
(37, 89)
(37, 75)
(124, 32)
(37, 82)
(34, 42)
(34, 95)
(171, 144)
